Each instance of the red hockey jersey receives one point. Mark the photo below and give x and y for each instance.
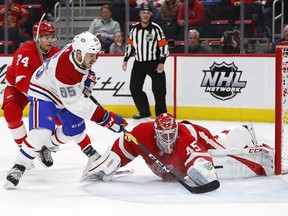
(185, 151)
(26, 60)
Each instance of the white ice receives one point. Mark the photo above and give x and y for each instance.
(57, 190)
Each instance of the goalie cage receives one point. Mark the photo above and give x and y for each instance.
(281, 109)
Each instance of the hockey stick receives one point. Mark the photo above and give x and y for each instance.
(193, 189)
(37, 39)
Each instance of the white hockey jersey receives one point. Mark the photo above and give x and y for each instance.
(61, 81)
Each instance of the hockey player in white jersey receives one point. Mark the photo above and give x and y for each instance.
(57, 89)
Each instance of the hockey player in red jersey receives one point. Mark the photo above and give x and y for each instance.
(56, 90)
(25, 61)
(189, 150)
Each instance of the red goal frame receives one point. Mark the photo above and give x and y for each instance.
(281, 66)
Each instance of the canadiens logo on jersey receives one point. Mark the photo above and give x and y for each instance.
(149, 37)
(223, 81)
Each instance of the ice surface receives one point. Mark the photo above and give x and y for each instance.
(57, 190)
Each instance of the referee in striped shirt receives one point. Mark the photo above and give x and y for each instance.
(147, 41)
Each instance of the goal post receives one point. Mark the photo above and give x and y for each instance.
(281, 109)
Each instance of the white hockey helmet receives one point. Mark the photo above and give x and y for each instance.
(86, 42)
(166, 132)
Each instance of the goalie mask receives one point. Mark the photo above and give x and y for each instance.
(85, 42)
(166, 132)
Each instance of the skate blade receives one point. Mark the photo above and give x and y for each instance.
(40, 160)
(9, 185)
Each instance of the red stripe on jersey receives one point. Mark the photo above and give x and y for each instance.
(35, 113)
(56, 137)
(48, 92)
(67, 72)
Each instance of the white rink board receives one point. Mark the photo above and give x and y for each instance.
(257, 72)
(112, 87)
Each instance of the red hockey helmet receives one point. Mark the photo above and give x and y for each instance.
(166, 132)
(45, 28)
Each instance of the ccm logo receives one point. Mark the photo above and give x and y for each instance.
(255, 150)
(110, 163)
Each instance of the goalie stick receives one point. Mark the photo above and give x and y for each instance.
(193, 189)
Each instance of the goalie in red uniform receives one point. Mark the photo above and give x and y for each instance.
(190, 151)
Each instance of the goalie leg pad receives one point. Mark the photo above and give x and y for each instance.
(243, 163)
(237, 137)
(202, 172)
(102, 168)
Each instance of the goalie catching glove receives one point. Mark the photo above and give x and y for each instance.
(113, 122)
(89, 84)
(202, 172)
(101, 168)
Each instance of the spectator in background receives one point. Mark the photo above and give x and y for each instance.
(196, 17)
(47, 5)
(267, 17)
(285, 38)
(194, 45)
(134, 10)
(230, 41)
(169, 10)
(214, 2)
(118, 46)
(17, 16)
(118, 12)
(253, 10)
(168, 22)
(104, 28)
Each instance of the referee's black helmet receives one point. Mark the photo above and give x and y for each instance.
(146, 8)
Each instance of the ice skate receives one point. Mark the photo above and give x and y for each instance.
(14, 176)
(45, 157)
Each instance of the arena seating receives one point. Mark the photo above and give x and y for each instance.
(11, 47)
(36, 11)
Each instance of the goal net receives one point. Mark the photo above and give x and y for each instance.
(281, 109)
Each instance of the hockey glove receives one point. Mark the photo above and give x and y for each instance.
(102, 168)
(202, 172)
(89, 84)
(113, 122)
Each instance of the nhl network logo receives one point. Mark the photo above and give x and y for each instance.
(223, 81)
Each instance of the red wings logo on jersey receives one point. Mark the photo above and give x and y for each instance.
(158, 169)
